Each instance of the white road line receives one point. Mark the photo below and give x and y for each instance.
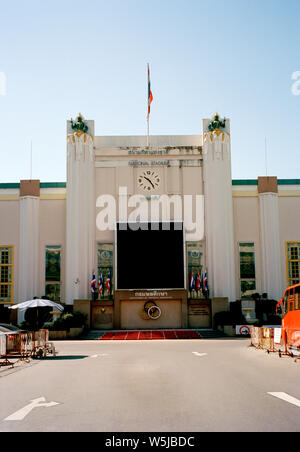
(98, 356)
(37, 403)
(286, 398)
(199, 354)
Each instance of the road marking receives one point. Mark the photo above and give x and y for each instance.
(199, 354)
(286, 398)
(98, 356)
(37, 403)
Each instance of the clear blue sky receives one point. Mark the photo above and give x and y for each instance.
(64, 57)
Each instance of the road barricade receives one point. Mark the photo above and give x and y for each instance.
(255, 337)
(9, 346)
(267, 338)
(25, 345)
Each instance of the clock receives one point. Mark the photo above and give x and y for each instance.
(149, 181)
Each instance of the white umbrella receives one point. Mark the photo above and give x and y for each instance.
(37, 304)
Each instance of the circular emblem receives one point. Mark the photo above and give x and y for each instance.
(154, 312)
(151, 311)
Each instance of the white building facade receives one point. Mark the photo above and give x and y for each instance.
(244, 235)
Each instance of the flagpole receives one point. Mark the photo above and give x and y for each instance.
(148, 116)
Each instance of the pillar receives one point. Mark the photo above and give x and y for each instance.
(80, 234)
(219, 225)
(29, 225)
(270, 238)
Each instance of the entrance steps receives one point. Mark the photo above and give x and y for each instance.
(151, 335)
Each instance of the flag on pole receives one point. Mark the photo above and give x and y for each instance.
(100, 284)
(93, 284)
(205, 282)
(150, 95)
(108, 283)
(198, 282)
(192, 283)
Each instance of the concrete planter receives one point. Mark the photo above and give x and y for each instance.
(63, 335)
(229, 330)
(74, 332)
(57, 335)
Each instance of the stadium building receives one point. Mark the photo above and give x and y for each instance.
(149, 235)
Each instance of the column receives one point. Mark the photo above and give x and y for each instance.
(270, 238)
(29, 225)
(80, 234)
(219, 226)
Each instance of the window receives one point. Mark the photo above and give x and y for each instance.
(297, 298)
(293, 263)
(195, 265)
(106, 270)
(247, 269)
(53, 273)
(6, 274)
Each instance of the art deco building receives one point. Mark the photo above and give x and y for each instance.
(109, 220)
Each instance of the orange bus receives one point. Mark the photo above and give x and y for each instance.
(290, 311)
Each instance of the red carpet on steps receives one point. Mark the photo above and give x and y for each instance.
(149, 335)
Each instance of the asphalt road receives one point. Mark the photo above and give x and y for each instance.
(156, 386)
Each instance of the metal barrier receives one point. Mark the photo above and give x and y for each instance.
(8, 347)
(269, 339)
(256, 337)
(25, 346)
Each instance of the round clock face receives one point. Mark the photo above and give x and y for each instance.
(149, 180)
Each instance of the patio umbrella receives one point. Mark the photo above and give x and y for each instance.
(38, 303)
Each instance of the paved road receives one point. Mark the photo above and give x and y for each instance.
(169, 386)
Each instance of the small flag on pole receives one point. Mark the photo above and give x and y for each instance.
(100, 284)
(108, 283)
(205, 282)
(93, 284)
(199, 281)
(192, 283)
(150, 95)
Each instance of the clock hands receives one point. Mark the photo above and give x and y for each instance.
(149, 181)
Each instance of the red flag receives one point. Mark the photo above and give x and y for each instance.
(150, 95)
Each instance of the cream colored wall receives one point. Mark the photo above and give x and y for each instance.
(9, 233)
(52, 232)
(132, 315)
(174, 181)
(289, 221)
(247, 229)
(192, 180)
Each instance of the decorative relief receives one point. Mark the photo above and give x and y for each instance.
(216, 124)
(216, 129)
(79, 126)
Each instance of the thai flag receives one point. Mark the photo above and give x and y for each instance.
(150, 95)
(108, 283)
(199, 281)
(192, 283)
(205, 282)
(93, 284)
(100, 284)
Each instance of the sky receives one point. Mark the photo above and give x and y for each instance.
(234, 57)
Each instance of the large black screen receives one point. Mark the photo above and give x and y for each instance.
(150, 256)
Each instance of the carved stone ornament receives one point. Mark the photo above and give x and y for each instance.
(216, 124)
(79, 126)
(216, 129)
